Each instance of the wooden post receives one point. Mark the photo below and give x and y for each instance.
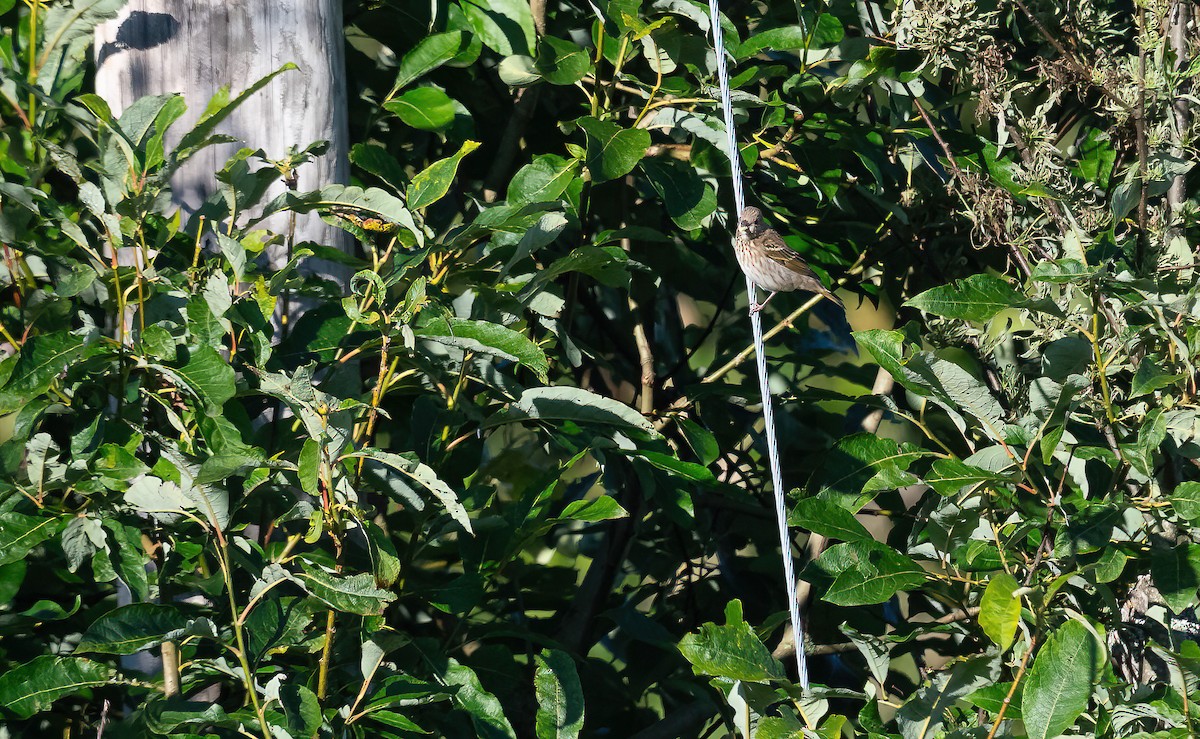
(194, 47)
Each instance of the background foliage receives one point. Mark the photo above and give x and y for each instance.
(513, 485)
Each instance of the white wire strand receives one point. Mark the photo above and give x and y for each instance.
(739, 200)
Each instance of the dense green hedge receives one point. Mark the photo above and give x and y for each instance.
(514, 483)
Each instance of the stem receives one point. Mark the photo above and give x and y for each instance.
(196, 251)
(239, 633)
(326, 651)
(1181, 13)
(1142, 149)
(34, 6)
(595, 96)
(1069, 58)
(1105, 393)
(170, 667)
(786, 323)
(616, 72)
(376, 399)
(1013, 690)
(653, 91)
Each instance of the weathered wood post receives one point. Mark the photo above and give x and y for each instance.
(194, 47)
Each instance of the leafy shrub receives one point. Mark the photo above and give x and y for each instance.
(512, 484)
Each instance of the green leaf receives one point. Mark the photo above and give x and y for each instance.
(828, 31)
(209, 376)
(20, 533)
(424, 108)
(1067, 356)
(862, 464)
(376, 160)
(1150, 377)
(280, 622)
(430, 53)
(608, 264)
(992, 697)
(164, 715)
(561, 62)
(42, 359)
(12, 575)
(875, 650)
(888, 349)
(923, 716)
(486, 712)
(1060, 682)
(140, 626)
(784, 727)
(1000, 610)
(543, 180)
(1176, 574)
(949, 476)
(396, 721)
(301, 709)
(559, 696)
(570, 404)
(351, 594)
(867, 572)
(612, 151)
(308, 466)
(1186, 500)
(827, 518)
(975, 299)
(505, 26)
(701, 440)
(1062, 271)
(235, 253)
(34, 686)
(956, 390)
(600, 508)
(67, 29)
(423, 474)
(493, 339)
(1096, 156)
(518, 70)
(677, 467)
(371, 202)
(127, 557)
(432, 184)
(731, 651)
(219, 108)
(401, 690)
(688, 199)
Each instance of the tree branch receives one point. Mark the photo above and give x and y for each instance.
(524, 104)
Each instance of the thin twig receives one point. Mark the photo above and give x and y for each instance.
(933, 130)
(1143, 153)
(537, 8)
(524, 104)
(1082, 72)
(1012, 690)
(884, 382)
(783, 325)
(103, 719)
(1181, 13)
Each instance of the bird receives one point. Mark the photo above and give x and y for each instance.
(770, 263)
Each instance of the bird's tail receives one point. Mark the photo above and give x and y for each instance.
(832, 298)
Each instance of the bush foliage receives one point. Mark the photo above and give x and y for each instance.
(513, 483)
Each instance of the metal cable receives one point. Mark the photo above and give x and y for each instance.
(739, 200)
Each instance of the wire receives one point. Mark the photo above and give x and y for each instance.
(739, 200)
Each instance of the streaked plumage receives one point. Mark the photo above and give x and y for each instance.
(770, 263)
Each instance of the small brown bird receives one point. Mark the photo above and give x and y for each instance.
(770, 263)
